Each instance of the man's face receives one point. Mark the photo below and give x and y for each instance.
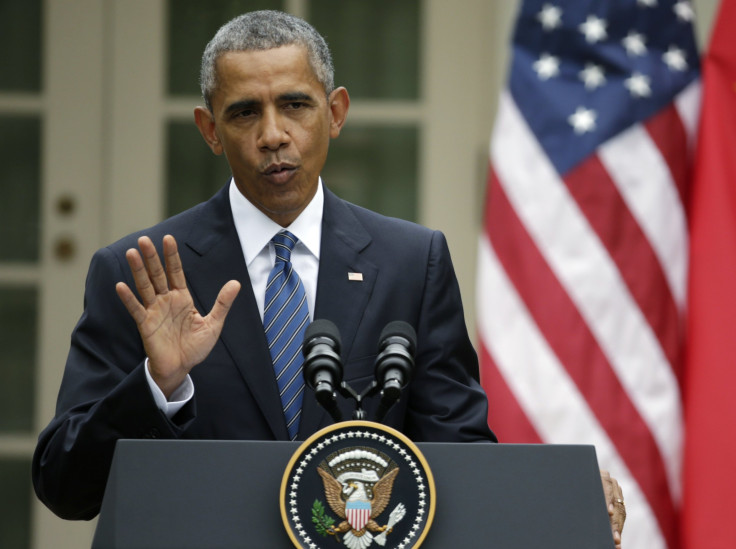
(271, 118)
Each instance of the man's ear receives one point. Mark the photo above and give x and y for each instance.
(339, 103)
(205, 121)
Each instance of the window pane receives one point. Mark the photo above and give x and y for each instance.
(194, 173)
(192, 24)
(19, 187)
(18, 344)
(376, 168)
(15, 503)
(20, 46)
(375, 45)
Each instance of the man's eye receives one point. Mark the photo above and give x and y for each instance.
(295, 105)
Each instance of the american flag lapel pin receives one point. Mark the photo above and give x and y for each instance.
(355, 277)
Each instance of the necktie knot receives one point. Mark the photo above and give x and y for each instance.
(284, 243)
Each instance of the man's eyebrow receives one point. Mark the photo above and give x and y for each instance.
(245, 104)
(295, 96)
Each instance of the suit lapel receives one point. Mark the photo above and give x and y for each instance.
(339, 298)
(214, 256)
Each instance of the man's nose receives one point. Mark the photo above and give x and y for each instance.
(274, 132)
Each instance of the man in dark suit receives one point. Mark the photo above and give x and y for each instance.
(186, 355)
(272, 113)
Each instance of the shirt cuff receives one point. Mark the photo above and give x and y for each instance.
(181, 395)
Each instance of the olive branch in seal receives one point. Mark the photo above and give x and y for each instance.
(323, 523)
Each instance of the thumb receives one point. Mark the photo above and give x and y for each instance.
(224, 301)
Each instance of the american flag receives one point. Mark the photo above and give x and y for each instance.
(583, 254)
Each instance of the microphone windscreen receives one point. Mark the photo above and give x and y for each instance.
(401, 329)
(323, 328)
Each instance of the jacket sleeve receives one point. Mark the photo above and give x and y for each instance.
(104, 396)
(446, 402)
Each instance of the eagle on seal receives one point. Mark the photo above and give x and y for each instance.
(358, 498)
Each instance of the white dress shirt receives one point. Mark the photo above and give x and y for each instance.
(255, 231)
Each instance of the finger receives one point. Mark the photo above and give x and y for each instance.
(174, 270)
(616, 511)
(140, 276)
(224, 301)
(607, 489)
(155, 269)
(617, 495)
(134, 307)
(619, 516)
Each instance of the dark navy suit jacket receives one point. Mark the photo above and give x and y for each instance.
(407, 275)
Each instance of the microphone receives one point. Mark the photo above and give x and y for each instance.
(395, 362)
(322, 365)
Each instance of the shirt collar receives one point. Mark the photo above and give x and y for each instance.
(255, 229)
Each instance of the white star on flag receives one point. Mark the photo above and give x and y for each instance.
(550, 16)
(639, 85)
(594, 29)
(684, 11)
(647, 3)
(674, 58)
(547, 66)
(634, 44)
(593, 76)
(582, 120)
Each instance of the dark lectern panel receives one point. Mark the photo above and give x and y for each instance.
(224, 494)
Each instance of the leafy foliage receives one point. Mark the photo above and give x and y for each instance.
(322, 522)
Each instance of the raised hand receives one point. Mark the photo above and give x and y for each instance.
(175, 336)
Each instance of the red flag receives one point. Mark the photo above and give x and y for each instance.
(583, 257)
(710, 375)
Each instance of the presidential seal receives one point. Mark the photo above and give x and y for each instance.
(357, 484)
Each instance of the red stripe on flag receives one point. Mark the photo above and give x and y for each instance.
(599, 199)
(577, 349)
(668, 133)
(508, 420)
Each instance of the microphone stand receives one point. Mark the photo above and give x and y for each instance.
(327, 400)
(359, 413)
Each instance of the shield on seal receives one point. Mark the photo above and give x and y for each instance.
(357, 513)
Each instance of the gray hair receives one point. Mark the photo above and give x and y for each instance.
(264, 30)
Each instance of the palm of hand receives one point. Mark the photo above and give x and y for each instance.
(175, 336)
